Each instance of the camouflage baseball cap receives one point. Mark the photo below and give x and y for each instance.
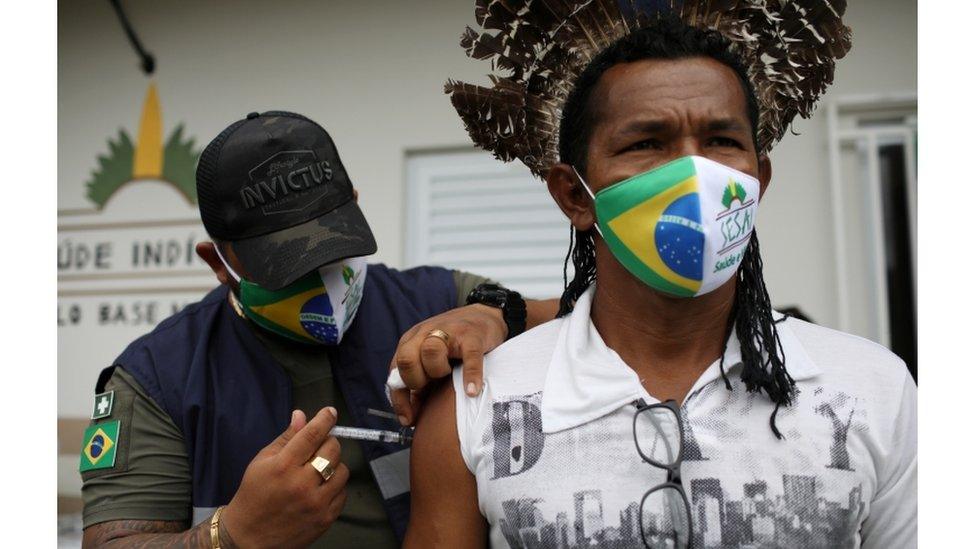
(272, 187)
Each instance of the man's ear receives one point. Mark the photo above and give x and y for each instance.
(208, 253)
(568, 192)
(765, 174)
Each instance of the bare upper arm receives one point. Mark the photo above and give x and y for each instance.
(443, 492)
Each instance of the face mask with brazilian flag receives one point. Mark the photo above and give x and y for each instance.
(681, 228)
(317, 308)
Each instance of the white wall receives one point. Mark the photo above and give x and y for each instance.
(372, 73)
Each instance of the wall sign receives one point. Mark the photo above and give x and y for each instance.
(128, 260)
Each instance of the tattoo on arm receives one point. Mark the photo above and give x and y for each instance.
(153, 534)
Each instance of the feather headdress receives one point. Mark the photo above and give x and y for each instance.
(537, 48)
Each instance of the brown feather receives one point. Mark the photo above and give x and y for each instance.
(537, 48)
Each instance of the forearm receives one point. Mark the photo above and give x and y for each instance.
(540, 311)
(154, 534)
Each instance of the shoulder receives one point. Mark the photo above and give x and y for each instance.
(413, 274)
(122, 382)
(869, 382)
(518, 367)
(213, 301)
(526, 356)
(184, 325)
(427, 287)
(164, 356)
(850, 366)
(834, 351)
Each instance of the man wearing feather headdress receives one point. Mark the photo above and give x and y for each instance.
(668, 405)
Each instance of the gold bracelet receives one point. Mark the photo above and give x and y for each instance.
(215, 528)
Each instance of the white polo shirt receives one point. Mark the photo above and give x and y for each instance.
(550, 441)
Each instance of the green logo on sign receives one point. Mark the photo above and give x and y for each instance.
(147, 158)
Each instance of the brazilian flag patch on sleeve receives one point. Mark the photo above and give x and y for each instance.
(98, 451)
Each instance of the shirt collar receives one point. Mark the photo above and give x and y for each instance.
(587, 380)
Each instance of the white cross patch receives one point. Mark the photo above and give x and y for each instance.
(103, 405)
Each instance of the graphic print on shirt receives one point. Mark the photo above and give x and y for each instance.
(582, 487)
(692, 451)
(833, 410)
(516, 427)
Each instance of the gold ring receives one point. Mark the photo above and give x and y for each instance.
(323, 466)
(439, 334)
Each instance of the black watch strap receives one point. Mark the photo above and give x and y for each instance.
(510, 302)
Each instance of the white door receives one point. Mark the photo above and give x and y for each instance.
(873, 149)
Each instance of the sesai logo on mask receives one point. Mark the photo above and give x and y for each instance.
(735, 224)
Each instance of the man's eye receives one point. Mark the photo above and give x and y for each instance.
(724, 142)
(645, 144)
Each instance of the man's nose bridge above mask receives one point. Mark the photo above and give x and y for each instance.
(687, 145)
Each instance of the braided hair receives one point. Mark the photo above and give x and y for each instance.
(751, 318)
(582, 252)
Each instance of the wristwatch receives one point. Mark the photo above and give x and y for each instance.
(511, 304)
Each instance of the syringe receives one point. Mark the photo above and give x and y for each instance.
(376, 435)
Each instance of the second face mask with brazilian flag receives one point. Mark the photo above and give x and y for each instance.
(681, 228)
(317, 308)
